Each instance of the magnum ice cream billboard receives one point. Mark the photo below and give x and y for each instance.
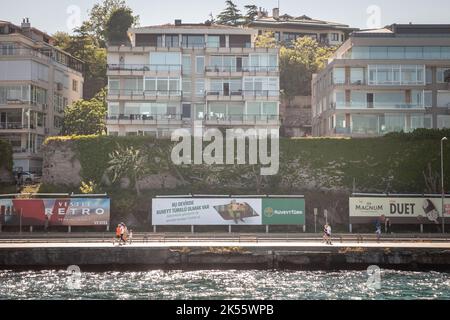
(55, 212)
(419, 210)
(228, 211)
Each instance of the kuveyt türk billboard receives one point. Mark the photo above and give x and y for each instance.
(417, 210)
(228, 211)
(55, 212)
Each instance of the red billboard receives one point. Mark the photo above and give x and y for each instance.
(55, 212)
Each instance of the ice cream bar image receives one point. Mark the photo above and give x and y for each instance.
(430, 210)
(236, 211)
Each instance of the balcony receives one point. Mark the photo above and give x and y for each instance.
(143, 70)
(139, 95)
(13, 126)
(233, 71)
(144, 119)
(242, 95)
(249, 120)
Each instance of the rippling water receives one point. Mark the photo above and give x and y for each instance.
(193, 285)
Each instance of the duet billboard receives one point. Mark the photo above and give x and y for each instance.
(57, 212)
(228, 211)
(417, 210)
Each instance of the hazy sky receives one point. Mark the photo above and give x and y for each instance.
(59, 15)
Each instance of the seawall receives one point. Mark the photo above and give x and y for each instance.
(245, 256)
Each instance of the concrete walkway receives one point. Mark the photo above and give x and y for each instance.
(220, 244)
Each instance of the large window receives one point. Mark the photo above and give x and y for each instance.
(399, 53)
(165, 61)
(193, 41)
(11, 94)
(261, 86)
(133, 86)
(262, 62)
(162, 86)
(443, 99)
(396, 75)
(419, 121)
(225, 87)
(364, 124)
(172, 41)
(149, 110)
(187, 65)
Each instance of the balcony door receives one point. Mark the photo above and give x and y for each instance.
(226, 89)
(186, 111)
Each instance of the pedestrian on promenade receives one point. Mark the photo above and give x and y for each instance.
(118, 230)
(387, 226)
(122, 234)
(378, 231)
(130, 236)
(327, 234)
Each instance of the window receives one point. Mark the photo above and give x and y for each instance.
(200, 87)
(364, 124)
(113, 86)
(133, 85)
(358, 99)
(441, 73)
(261, 86)
(187, 69)
(339, 75)
(113, 109)
(443, 121)
(357, 75)
(213, 42)
(187, 87)
(419, 121)
(335, 37)
(396, 74)
(200, 65)
(172, 41)
(443, 99)
(199, 111)
(75, 85)
(165, 61)
(193, 41)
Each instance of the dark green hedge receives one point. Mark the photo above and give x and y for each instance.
(6, 155)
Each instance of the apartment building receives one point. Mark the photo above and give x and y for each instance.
(387, 80)
(37, 81)
(288, 28)
(181, 75)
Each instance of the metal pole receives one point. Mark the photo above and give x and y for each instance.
(20, 221)
(442, 184)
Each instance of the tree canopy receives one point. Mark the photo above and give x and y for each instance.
(118, 24)
(86, 117)
(231, 15)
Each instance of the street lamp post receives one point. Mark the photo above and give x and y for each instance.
(442, 183)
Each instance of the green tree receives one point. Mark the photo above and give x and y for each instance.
(266, 40)
(96, 24)
(231, 15)
(117, 26)
(85, 117)
(251, 13)
(128, 162)
(299, 62)
(83, 46)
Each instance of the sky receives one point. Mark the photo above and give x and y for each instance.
(61, 15)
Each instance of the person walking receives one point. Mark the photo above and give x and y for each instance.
(387, 226)
(378, 231)
(118, 230)
(122, 234)
(327, 234)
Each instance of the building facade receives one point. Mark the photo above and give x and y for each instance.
(37, 81)
(287, 29)
(183, 75)
(387, 80)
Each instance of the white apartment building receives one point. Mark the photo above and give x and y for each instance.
(387, 80)
(173, 76)
(37, 81)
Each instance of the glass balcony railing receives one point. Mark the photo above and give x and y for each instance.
(145, 67)
(146, 93)
(242, 69)
(143, 117)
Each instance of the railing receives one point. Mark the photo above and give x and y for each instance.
(220, 118)
(230, 69)
(145, 67)
(244, 93)
(379, 106)
(13, 126)
(146, 93)
(144, 117)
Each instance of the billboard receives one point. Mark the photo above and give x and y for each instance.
(55, 212)
(417, 210)
(228, 211)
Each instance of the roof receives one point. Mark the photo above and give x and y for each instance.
(46, 35)
(300, 22)
(401, 30)
(188, 26)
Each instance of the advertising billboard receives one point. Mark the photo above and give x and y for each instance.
(417, 210)
(228, 211)
(55, 212)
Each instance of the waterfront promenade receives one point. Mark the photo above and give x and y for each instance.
(225, 251)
